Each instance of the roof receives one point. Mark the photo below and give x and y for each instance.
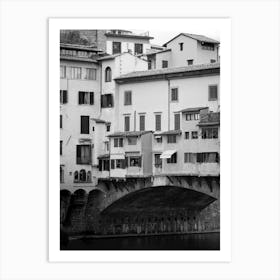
(134, 36)
(194, 109)
(99, 120)
(159, 51)
(164, 73)
(129, 133)
(197, 37)
(171, 132)
(77, 58)
(113, 56)
(79, 47)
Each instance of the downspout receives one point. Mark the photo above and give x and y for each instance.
(134, 120)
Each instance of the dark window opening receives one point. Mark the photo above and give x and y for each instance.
(181, 46)
(174, 94)
(84, 124)
(86, 97)
(107, 100)
(142, 123)
(117, 47)
(108, 74)
(83, 154)
(138, 48)
(158, 122)
(127, 98)
(213, 92)
(190, 61)
(63, 97)
(173, 158)
(164, 64)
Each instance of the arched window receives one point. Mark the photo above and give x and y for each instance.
(82, 175)
(108, 74)
(89, 176)
(76, 176)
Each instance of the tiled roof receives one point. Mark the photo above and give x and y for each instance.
(170, 70)
(134, 36)
(171, 132)
(194, 109)
(77, 58)
(128, 133)
(152, 52)
(197, 37)
(79, 47)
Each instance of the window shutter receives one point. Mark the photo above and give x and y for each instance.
(177, 121)
(112, 164)
(142, 123)
(100, 165)
(65, 96)
(78, 154)
(126, 162)
(91, 98)
(140, 161)
(80, 97)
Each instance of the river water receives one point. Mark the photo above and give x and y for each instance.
(203, 241)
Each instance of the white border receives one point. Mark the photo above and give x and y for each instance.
(224, 254)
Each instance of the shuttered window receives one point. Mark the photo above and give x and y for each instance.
(177, 121)
(127, 98)
(84, 124)
(63, 97)
(117, 47)
(158, 122)
(126, 123)
(142, 123)
(190, 158)
(164, 64)
(60, 147)
(83, 154)
(174, 94)
(213, 92)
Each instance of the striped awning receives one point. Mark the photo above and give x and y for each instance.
(167, 154)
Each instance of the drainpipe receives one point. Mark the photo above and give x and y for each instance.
(134, 120)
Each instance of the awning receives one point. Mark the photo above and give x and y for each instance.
(132, 154)
(167, 154)
(117, 156)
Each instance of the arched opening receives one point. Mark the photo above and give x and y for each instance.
(83, 175)
(108, 74)
(76, 176)
(65, 198)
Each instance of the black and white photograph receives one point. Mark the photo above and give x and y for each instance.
(139, 140)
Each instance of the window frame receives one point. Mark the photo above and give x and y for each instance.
(142, 117)
(84, 120)
(119, 47)
(177, 94)
(164, 64)
(79, 151)
(127, 97)
(108, 74)
(127, 123)
(171, 139)
(209, 92)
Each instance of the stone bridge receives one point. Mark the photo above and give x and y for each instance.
(149, 205)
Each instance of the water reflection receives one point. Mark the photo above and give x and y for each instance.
(204, 241)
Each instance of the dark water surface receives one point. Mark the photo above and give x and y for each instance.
(203, 241)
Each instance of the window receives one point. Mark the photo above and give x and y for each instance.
(158, 161)
(62, 71)
(132, 140)
(173, 158)
(118, 142)
(187, 135)
(212, 60)
(181, 46)
(176, 121)
(126, 123)
(117, 47)
(209, 133)
(127, 98)
(86, 97)
(135, 161)
(190, 61)
(194, 134)
(90, 74)
(192, 117)
(83, 154)
(61, 143)
(208, 157)
(142, 123)
(207, 46)
(108, 127)
(108, 74)
(159, 139)
(138, 48)
(88, 176)
(174, 94)
(63, 97)
(60, 120)
(61, 174)
(149, 64)
(107, 100)
(164, 64)
(76, 176)
(120, 163)
(75, 73)
(106, 143)
(158, 122)
(106, 165)
(190, 158)
(213, 92)
(171, 138)
(84, 124)
(83, 177)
